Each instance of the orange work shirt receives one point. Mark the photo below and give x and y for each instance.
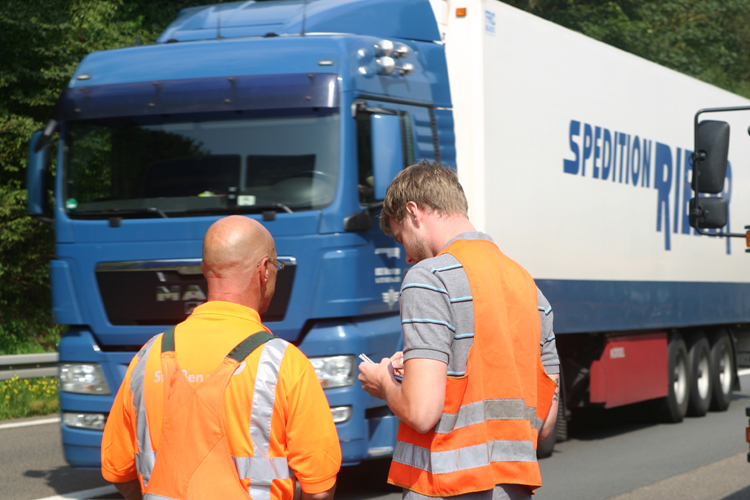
(302, 427)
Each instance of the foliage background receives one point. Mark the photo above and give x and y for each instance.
(42, 41)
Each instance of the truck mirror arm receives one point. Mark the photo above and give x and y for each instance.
(697, 211)
(362, 219)
(46, 137)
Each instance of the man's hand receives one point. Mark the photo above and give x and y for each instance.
(375, 378)
(418, 402)
(326, 495)
(397, 360)
(549, 423)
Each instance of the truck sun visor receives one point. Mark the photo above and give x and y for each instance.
(256, 92)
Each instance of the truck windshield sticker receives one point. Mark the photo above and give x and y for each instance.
(625, 158)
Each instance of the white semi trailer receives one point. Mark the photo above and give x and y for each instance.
(575, 157)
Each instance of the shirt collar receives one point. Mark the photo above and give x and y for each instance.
(224, 308)
(471, 235)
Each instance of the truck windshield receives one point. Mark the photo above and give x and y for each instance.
(140, 167)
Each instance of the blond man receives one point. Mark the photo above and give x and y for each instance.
(476, 394)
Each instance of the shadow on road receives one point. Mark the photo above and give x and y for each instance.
(592, 423)
(67, 480)
(599, 423)
(743, 494)
(365, 480)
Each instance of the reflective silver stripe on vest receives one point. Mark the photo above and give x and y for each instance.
(144, 460)
(262, 469)
(489, 409)
(470, 457)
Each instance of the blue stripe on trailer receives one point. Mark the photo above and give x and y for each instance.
(609, 306)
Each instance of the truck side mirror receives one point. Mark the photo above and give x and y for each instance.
(710, 159)
(387, 151)
(710, 213)
(36, 168)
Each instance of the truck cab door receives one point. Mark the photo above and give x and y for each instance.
(383, 150)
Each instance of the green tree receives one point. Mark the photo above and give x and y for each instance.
(41, 42)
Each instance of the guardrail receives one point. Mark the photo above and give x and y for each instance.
(28, 365)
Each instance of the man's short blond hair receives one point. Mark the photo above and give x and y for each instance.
(432, 186)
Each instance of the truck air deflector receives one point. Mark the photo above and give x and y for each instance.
(197, 95)
(386, 18)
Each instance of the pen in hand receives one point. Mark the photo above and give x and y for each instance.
(366, 359)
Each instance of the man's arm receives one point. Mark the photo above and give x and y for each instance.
(313, 449)
(132, 490)
(418, 401)
(549, 423)
(325, 495)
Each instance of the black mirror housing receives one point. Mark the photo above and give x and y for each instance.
(710, 160)
(708, 213)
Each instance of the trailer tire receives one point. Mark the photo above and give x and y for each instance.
(674, 406)
(561, 426)
(722, 371)
(699, 363)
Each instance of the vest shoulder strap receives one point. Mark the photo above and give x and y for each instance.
(241, 350)
(244, 348)
(167, 340)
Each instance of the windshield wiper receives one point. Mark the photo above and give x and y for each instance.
(248, 209)
(148, 210)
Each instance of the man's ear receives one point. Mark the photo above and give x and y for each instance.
(263, 270)
(413, 211)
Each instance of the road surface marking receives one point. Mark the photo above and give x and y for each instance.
(27, 423)
(85, 494)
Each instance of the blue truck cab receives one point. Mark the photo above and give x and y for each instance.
(295, 113)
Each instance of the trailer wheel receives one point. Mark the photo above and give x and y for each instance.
(675, 404)
(722, 371)
(699, 363)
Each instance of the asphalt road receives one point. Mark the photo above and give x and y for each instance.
(616, 454)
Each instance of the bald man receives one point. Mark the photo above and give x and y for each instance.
(218, 407)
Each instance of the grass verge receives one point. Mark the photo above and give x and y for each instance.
(21, 398)
(29, 337)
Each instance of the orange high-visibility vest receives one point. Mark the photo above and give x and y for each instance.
(488, 431)
(194, 460)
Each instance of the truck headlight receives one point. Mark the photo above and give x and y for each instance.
(334, 371)
(83, 378)
(92, 421)
(341, 414)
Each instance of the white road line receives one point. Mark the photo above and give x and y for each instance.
(85, 494)
(27, 423)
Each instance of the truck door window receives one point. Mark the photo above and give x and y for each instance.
(364, 153)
